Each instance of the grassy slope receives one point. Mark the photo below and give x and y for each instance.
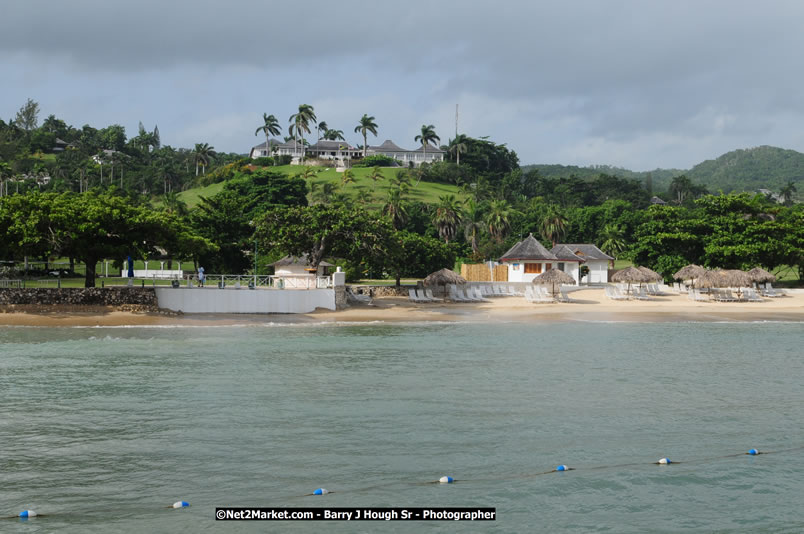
(425, 191)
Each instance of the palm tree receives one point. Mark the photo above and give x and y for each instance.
(334, 135)
(325, 194)
(306, 173)
(396, 208)
(458, 146)
(202, 155)
(499, 219)
(376, 174)
(364, 125)
(472, 223)
(321, 126)
(401, 181)
(427, 136)
(171, 203)
(300, 123)
(270, 127)
(787, 193)
(348, 177)
(447, 217)
(553, 224)
(613, 240)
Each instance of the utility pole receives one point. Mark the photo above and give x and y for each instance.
(255, 264)
(456, 120)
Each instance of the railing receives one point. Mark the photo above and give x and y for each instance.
(11, 284)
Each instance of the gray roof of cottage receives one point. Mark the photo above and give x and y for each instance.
(277, 143)
(431, 149)
(657, 200)
(582, 251)
(326, 144)
(293, 260)
(388, 146)
(528, 249)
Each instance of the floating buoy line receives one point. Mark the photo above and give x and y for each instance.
(446, 479)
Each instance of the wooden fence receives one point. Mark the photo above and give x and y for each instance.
(479, 272)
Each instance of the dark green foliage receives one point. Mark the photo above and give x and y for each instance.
(377, 160)
(264, 161)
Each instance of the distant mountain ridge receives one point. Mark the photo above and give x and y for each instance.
(750, 169)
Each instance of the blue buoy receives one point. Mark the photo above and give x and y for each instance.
(753, 452)
(446, 480)
(320, 491)
(181, 504)
(25, 514)
(665, 461)
(562, 468)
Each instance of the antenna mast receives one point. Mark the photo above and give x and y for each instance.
(456, 120)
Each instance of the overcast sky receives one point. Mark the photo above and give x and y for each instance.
(634, 84)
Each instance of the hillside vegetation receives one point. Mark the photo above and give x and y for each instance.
(363, 190)
(763, 167)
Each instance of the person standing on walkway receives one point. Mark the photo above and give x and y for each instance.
(201, 277)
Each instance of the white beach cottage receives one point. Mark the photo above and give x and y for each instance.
(594, 259)
(528, 259)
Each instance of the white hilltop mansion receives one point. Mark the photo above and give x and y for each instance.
(341, 151)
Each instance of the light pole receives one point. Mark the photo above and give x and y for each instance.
(255, 263)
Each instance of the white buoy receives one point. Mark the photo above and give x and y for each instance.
(320, 491)
(446, 480)
(27, 513)
(665, 461)
(181, 504)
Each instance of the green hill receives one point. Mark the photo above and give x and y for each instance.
(374, 195)
(763, 167)
(661, 177)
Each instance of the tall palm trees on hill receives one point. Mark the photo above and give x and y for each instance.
(457, 147)
(270, 127)
(202, 154)
(447, 217)
(364, 125)
(300, 122)
(334, 135)
(427, 136)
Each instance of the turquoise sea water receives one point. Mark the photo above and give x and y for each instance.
(102, 428)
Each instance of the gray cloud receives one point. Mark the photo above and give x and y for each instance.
(639, 82)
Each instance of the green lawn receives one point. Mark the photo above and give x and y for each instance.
(376, 195)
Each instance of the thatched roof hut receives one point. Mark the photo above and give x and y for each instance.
(690, 272)
(444, 277)
(713, 278)
(758, 274)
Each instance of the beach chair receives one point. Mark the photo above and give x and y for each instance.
(422, 296)
(564, 295)
(698, 296)
(641, 293)
(454, 296)
(476, 294)
(614, 294)
(750, 294)
(412, 296)
(544, 295)
(769, 291)
(429, 294)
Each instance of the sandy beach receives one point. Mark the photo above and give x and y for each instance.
(591, 305)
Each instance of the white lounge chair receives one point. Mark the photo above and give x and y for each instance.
(429, 294)
(412, 296)
(614, 293)
(750, 294)
(455, 295)
(475, 293)
(423, 296)
(564, 292)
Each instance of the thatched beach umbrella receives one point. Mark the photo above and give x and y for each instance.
(444, 277)
(713, 278)
(630, 275)
(690, 272)
(652, 275)
(738, 278)
(758, 274)
(553, 277)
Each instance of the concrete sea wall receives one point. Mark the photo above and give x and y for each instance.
(213, 300)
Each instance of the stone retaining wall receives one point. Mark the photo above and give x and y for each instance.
(381, 291)
(128, 298)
